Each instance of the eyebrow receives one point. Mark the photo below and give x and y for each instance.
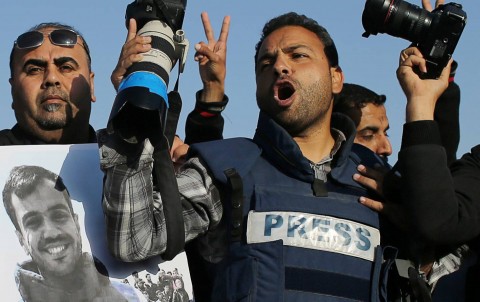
(373, 128)
(289, 49)
(57, 61)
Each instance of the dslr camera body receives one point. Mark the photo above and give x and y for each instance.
(435, 33)
(141, 105)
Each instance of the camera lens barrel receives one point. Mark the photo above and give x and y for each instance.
(397, 18)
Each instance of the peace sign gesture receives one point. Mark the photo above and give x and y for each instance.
(211, 58)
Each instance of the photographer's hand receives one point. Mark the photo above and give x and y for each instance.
(211, 58)
(422, 94)
(178, 152)
(428, 6)
(373, 179)
(131, 53)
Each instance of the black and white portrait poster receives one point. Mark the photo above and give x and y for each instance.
(53, 245)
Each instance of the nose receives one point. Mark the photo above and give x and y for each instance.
(51, 229)
(282, 66)
(384, 146)
(51, 78)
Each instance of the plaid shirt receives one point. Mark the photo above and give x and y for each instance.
(133, 210)
(447, 265)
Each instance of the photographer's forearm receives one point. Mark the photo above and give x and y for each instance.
(129, 206)
(419, 109)
(134, 210)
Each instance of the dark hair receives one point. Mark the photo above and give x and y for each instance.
(54, 25)
(353, 98)
(294, 19)
(23, 181)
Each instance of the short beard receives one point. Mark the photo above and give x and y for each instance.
(313, 99)
(55, 123)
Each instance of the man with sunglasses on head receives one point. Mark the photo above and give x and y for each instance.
(52, 87)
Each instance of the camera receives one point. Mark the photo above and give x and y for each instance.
(435, 33)
(142, 103)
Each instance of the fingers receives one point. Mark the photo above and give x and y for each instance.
(377, 206)
(225, 29)
(177, 141)
(371, 178)
(412, 57)
(202, 52)
(178, 151)
(131, 53)
(207, 27)
(132, 30)
(367, 182)
(408, 52)
(445, 75)
(377, 172)
(427, 5)
(209, 33)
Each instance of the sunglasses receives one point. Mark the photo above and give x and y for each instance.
(59, 37)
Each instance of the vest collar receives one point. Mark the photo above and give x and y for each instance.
(279, 147)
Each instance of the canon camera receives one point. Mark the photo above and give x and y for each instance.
(435, 33)
(142, 102)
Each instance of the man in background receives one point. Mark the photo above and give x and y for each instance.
(52, 87)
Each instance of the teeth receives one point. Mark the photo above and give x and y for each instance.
(56, 250)
(52, 107)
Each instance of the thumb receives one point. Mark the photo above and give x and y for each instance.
(132, 30)
(202, 51)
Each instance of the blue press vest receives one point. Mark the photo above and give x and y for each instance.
(288, 244)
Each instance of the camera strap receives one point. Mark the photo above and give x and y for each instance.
(163, 170)
(172, 205)
(173, 113)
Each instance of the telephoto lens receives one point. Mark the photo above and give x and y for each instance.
(435, 33)
(145, 83)
(396, 18)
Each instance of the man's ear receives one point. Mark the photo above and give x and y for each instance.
(22, 242)
(337, 79)
(92, 87)
(10, 80)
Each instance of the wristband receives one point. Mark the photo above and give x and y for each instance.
(209, 109)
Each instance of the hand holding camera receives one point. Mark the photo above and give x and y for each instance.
(131, 53)
(422, 94)
(142, 102)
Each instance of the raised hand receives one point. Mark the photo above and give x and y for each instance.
(131, 53)
(211, 57)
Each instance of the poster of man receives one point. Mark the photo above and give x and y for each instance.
(54, 245)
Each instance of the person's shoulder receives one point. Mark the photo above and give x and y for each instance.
(231, 148)
(239, 153)
(6, 137)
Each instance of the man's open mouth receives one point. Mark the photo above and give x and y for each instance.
(285, 91)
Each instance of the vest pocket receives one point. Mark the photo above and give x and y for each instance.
(256, 273)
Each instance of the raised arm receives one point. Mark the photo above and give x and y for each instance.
(134, 211)
(444, 205)
(205, 122)
(134, 216)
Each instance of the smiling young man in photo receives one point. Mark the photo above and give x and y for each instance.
(48, 229)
